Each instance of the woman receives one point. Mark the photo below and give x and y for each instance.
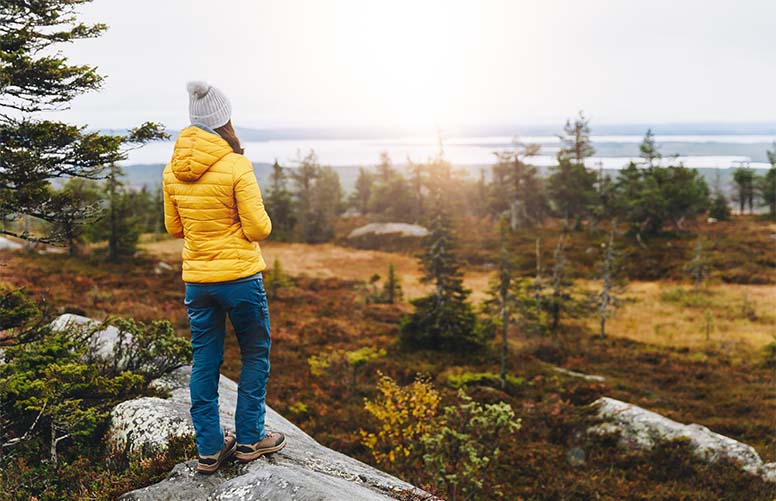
(212, 201)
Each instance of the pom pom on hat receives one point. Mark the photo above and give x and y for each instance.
(207, 105)
(197, 88)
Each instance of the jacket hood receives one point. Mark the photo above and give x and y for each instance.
(196, 150)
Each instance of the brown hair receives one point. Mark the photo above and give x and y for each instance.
(227, 132)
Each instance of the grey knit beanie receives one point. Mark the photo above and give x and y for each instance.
(208, 105)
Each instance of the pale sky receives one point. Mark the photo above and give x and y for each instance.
(426, 63)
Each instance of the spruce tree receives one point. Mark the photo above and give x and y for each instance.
(571, 186)
(359, 199)
(444, 319)
(280, 206)
(36, 78)
(575, 140)
(719, 208)
(768, 184)
(392, 292)
(390, 194)
(745, 180)
(79, 202)
(648, 149)
(303, 178)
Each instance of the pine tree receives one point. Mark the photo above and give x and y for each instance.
(80, 203)
(326, 204)
(571, 188)
(390, 194)
(304, 177)
(280, 204)
(392, 291)
(362, 192)
(745, 180)
(768, 184)
(575, 142)
(648, 149)
(719, 208)
(444, 319)
(35, 78)
(123, 224)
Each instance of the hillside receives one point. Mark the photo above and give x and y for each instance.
(720, 383)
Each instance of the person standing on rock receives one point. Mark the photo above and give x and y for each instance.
(213, 202)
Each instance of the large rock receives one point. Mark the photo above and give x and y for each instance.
(398, 229)
(304, 470)
(102, 341)
(642, 429)
(397, 237)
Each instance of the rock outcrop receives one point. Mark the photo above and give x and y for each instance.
(398, 229)
(387, 236)
(102, 341)
(304, 470)
(642, 429)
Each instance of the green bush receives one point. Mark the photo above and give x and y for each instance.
(57, 393)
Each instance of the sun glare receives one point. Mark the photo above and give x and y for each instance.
(411, 57)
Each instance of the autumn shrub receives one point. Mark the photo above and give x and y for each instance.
(454, 446)
(467, 441)
(406, 415)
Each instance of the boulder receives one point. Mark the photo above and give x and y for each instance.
(395, 237)
(102, 341)
(303, 470)
(398, 229)
(642, 429)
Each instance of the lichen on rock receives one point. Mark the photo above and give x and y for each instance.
(638, 428)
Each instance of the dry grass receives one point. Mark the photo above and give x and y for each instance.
(330, 261)
(742, 317)
(645, 317)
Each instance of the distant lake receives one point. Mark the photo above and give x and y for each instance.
(613, 151)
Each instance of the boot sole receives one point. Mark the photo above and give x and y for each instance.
(244, 457)
(209, 469)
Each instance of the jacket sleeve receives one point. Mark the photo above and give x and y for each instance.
(256, 225)
(172, 220)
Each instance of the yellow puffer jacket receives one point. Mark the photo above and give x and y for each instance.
(213, 202)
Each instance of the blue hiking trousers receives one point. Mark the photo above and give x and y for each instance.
(245, 301)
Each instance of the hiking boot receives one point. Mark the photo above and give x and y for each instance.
(272, 442)
(210, 463)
